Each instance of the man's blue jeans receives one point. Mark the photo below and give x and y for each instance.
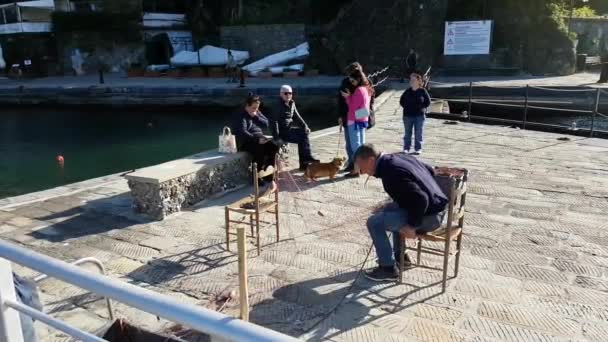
(416, 124)
(391, 219)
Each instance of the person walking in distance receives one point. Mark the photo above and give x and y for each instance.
(411, 62)
(231, 68)
(415, 101)
(288, 126)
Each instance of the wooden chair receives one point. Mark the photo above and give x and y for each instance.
(453, 182)
(255, 205)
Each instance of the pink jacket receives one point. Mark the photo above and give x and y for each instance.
(359, 99)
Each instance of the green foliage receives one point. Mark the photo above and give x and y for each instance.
(585, 12)
(121, 26)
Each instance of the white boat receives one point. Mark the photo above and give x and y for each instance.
(276, 70)
(281, 58)
(208, 56)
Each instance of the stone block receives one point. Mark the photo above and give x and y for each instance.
(165, 189)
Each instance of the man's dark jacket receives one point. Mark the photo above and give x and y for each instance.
(283, 116)
(411, 184)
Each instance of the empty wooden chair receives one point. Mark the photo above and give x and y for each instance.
(254, 206)
(453, 182)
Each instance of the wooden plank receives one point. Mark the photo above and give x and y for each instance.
(243, 286)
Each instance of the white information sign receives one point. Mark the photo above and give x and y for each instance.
(467, 37)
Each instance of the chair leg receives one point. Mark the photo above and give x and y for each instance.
(458, 251)
(276, 215)
(227, 214)
(419, 252)
(446, 257)
(401, 259)
(257, 231)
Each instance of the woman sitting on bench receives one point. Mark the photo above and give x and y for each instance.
(250, 136)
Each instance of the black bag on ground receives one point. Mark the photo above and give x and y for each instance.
(121, 331)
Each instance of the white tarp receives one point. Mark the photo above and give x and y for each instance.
(467, 37)
(38, 4)
(281, 58)
(164, 20)
(276, 70)
(25, 28)
(208, 55)
(180, 40)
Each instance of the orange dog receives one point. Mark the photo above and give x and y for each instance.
(316, 170)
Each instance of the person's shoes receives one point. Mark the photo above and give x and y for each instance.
(303, 167)
(406, 151)
(417, 152)
(407, 263)
(349, 168)
(381, 274)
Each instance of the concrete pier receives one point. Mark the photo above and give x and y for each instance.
(534, 267)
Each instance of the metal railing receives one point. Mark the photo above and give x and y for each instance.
(527, 105)
(195, 317)
(84, 261)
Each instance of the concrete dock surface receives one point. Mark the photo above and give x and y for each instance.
(534, 265)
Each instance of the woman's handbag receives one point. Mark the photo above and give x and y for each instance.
(361, 113)
(227, 142)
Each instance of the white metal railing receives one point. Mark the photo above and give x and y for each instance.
(197, 318)
(83, 261)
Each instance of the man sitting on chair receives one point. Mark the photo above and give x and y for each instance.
(418, 204)
(288, 126)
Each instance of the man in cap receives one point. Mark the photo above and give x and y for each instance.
(288, 126)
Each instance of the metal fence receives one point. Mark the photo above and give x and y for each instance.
(526, 103)
(195, 317)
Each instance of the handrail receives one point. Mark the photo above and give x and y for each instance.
(195, 317)
(101, 270)
(52, 322)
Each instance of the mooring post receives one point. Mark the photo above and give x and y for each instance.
(242, 77)
(470, 100)
(598, 94)
(526, 106)
(243, 287)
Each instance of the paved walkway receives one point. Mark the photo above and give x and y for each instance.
(119, 80)
(534, 268)
(582, 79)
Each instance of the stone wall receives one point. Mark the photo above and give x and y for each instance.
(157, 201)
(262, 40)
(380, 33)
(97, 48)
(592, 33)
